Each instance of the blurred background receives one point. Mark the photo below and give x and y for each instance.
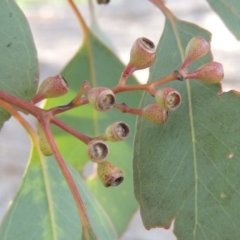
(58, 36)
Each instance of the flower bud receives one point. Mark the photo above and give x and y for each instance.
(142, 55)
(101, 98)
(211, 72)
(51, 87)
(43, 142)
(168, 98)
(97, 150)
(197, 47)
(109, 174)
(154, 113)
(117, 131)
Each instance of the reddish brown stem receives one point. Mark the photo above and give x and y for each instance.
(149, 87)
(44, 117)
(127, 71)
(70, 130)
(79, 17)
(21, 104)
(137, 87)
(184, 66)
(164, 80)
(45, 123)
(37, 98)
(122, 80)
(192, 75)
(160, 4)
(125, 109)
(85, 87)
(73, 188)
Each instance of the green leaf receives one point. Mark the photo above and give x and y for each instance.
(18, 63)
(229, 12)
(188, 168)
(44, 207)
(101, 68)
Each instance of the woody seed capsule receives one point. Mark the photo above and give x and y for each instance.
(97, 150)
(109, 174)
(168, 98)
(142, 55)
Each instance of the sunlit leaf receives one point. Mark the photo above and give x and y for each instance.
(229, 12)
(101, 68)
(18, 63)
(44, 207)
(188, 168)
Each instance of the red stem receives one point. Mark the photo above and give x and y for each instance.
(160, 4)
(149, 87)
(192, 75)
(73, 188)
(70, 130)
(21, 104)
(44, 117)
(37, 98)
(164, 80)
(185, 65)
(125, 109)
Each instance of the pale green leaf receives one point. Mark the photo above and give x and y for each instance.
(44, 207)
(188, 168)
(229, 12)
(18, 62)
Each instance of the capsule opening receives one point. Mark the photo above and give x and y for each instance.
(148, 43)
(122, 130)
(106, 101)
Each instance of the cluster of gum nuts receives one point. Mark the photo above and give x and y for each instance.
(142, 55)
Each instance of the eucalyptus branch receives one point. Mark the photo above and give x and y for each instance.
(143, 54)
(21, 104)
(68, 177)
